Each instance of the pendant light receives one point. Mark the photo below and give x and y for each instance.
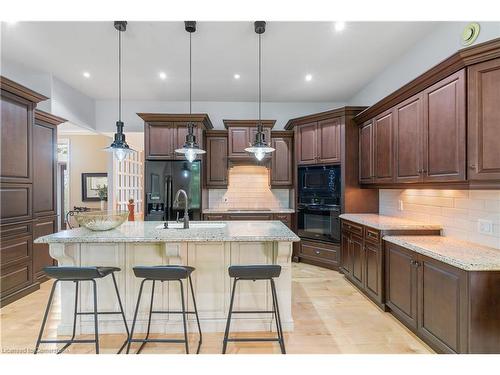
(119, 147)
(190, 149)
(260, 147)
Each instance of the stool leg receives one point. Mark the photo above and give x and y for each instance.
(226, 333)
(196, 313)
(74, 320)
(121, 311)
(96, 321)
(149, 318)
(135, 316)
(277, 317)
(184, 317)
(44, 321)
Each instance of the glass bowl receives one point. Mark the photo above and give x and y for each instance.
(101, 220)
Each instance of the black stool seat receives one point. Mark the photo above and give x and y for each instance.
(78, 273)
(163, 273)
(255, 272)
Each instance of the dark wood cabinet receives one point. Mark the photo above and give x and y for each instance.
(319, 253)
(401, 285)
(164, 133)
(27, 184)
(41, 256)
(408, 129)
(282, 159)
(366, 153)
(228, 215)
(241, 134)
(216, 159)
(249, 216)
(383, 147)
(444, 130)
(356, 256)
(484, 121)
(319, 142)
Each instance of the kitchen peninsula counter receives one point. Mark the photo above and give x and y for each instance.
(210, 247)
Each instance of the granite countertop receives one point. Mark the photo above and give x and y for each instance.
(145, 231)
(461, 254)
(382, 222)
(248, 211)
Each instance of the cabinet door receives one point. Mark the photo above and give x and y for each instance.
(160, 140)
(41, 256)
(356, 256)
(345, 259)
(44, 169)
(307, 144)
(401, 284)
(328, 134)
(216, 162)
(484, 121)
(444, 130)
(442, 307)
(383, 150)
(366, 153)
(373, 270)
(250, 217)
(214, 217)
(281, 162)
(15, 139)
(408, 128)
(239, 139)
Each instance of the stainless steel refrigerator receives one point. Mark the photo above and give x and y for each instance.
(162, 181)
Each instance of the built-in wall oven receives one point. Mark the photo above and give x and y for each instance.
(319, 203)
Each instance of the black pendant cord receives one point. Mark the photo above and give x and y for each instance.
(259, 129)
(119, 75)
(190, 73)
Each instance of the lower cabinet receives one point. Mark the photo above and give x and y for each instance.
(41, 256)
(285, 218)
(440, 303)
(322, 254)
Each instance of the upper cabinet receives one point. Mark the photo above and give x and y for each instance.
(164, 133)
(282, 159)
(241, 134)
(440, 128)
(216, 159)
(484, 121)
(318, 142)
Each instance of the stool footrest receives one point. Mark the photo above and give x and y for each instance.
(67, 341)
(172, 312)
(253, 312)
(99, 313)
(158, 340)
(253, 339)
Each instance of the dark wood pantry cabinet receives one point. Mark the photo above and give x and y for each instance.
(216, 160)
(282, 159)
(440, 130)
(28, 189)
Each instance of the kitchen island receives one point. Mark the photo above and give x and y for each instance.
(210, 247)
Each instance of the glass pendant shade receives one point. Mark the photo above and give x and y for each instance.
(119, 147)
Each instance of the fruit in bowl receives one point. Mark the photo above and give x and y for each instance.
(101, 220)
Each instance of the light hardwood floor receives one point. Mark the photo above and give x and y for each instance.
(331, 317)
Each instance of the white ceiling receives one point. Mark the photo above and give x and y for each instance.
(340, 63)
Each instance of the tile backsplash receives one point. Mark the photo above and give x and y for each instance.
(248, 187)
(458, 211)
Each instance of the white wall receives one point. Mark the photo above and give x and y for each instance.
(437, 46)
(107, 112)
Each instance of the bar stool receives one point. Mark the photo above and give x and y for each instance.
(255, 272)
(164, 273)
(77, 275)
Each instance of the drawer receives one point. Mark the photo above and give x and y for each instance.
(372, 235)
(16, 230)
(15, 277)
(15, 202)
(352, 228)
(214, 217)
(15, 249)
(250, 217)
(319, 251)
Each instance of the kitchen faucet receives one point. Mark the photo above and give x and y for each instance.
(185, 220)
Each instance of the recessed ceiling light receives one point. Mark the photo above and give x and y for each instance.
(309, 77)
(162, 75)
(236, 76)
(86, 74)
(339, 26)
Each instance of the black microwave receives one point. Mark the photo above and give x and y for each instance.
(319, 181)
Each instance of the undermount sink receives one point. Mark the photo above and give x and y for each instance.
(193, 226)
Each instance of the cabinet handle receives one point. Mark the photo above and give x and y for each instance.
(317, 252)
(472, 166)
